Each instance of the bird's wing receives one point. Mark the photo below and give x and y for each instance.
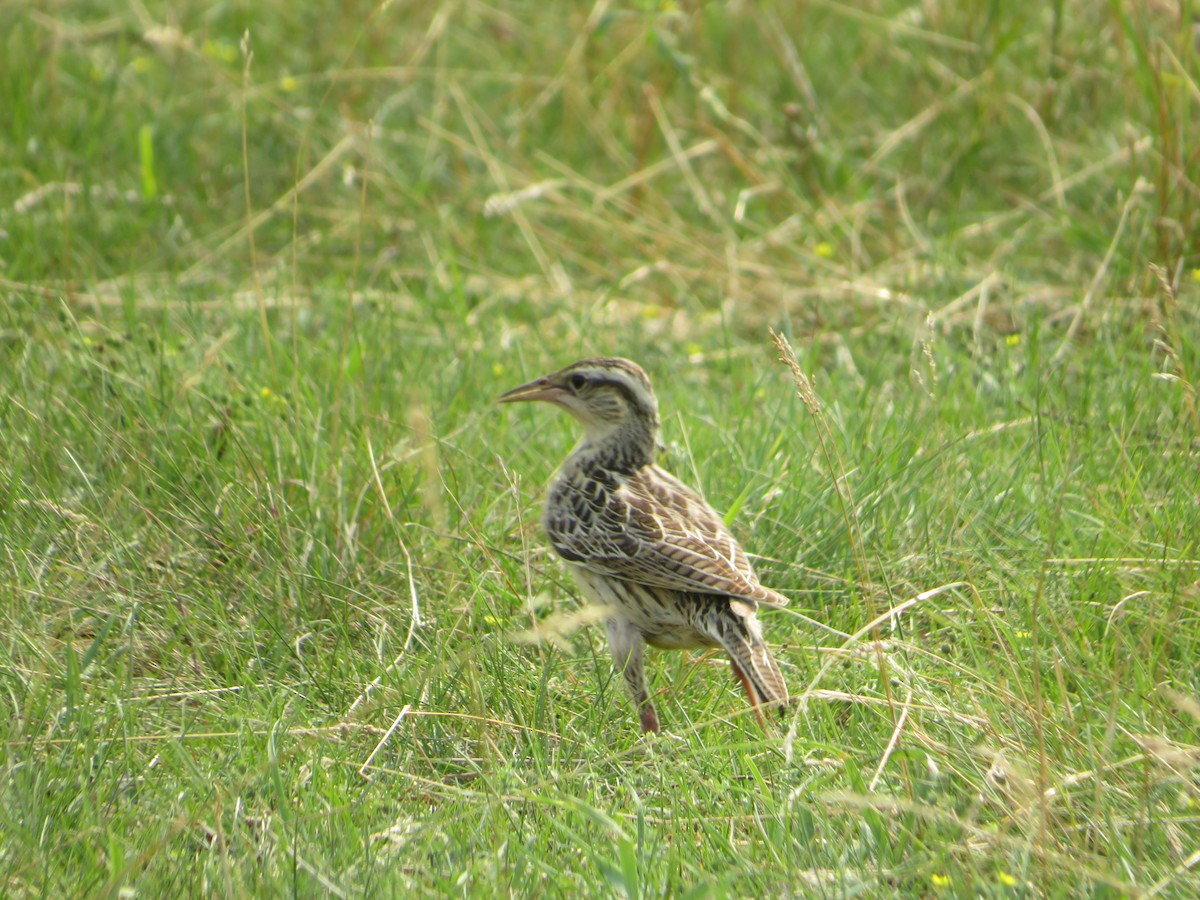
(655, 530)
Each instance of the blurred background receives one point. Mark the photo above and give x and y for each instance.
(267, 542)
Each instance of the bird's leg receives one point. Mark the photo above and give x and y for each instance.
(625, 644)
(649, 718)
(751, 694)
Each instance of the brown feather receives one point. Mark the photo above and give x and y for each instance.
(646, 548)
(654, 529)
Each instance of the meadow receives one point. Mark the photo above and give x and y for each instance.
(278, 617)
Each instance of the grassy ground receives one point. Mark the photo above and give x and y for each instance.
(266, 541)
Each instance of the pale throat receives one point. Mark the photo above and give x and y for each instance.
(627, 444)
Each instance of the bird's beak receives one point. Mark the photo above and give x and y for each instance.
(541, 389)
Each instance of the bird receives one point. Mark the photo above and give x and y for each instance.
(651, 552)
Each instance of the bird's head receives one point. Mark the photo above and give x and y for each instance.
(608, 395)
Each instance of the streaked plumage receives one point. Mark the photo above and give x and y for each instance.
(644, 545)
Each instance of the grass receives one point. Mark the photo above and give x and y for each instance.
(268, 546)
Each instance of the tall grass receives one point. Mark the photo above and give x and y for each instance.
(267, 542)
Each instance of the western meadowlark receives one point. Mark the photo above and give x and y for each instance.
(641, 544)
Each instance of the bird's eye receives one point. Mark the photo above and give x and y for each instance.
(577, 381)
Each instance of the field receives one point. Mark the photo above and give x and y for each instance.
(278, 616)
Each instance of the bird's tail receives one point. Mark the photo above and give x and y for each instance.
(753, 663)
(760, 674)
